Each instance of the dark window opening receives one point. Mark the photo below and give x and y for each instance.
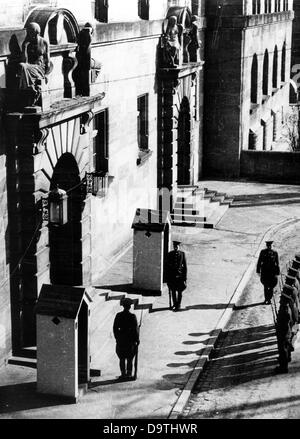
(143, 122)
(100, 143)
(266, 74)
(254, 71)
(252, 141)
(269, 6)
(275, 68)
(283, 63)
(255, 7)
(143, 9)
(101, 10)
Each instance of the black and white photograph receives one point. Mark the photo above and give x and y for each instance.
(149, 212)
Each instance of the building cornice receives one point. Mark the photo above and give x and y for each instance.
(248, 21)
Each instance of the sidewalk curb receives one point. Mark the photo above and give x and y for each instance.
(182, 400)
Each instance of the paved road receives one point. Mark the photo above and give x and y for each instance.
(239, 381)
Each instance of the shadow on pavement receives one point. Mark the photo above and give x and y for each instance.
(240, 356)
(270, 404)
(19, 397)
(94, 384)
(237, 307)
(120, 288)
(208, 306)
(281, 198)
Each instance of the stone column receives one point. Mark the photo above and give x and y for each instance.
(28, 238)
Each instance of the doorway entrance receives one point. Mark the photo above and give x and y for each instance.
(184, 144)
(65, 240)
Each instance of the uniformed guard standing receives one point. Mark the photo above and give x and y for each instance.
(176, 273)
(268, 268)
(284, 333)
(126, 333)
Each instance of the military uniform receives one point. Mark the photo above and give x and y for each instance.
(284, 334)
(268, 268)
(126, 333)
(176, 273)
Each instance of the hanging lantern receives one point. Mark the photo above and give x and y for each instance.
(58, 206)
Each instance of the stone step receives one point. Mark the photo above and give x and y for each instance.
(22, 361)
(184, 211)
(28, 352)
(187, 218)
(199, 224)
(181, 205)
(228, 201)
(218, 198)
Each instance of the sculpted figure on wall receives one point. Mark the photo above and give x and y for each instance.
(35, 57)
(88, 68)
(172, 43)
(195, 42)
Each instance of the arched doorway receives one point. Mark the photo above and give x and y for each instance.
(184, 144)
(65, 240)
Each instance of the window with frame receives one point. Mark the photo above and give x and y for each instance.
(143, 122)
(143, 9)
(100, 142)
(101, 10)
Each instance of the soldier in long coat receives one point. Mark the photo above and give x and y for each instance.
(284, 334)
(268, 268)
(126, 333)
(176, 273)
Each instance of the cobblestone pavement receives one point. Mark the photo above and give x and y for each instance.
(239, 381)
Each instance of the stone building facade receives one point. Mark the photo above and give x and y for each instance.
(295, 67)
(108, 127)
(248, 58)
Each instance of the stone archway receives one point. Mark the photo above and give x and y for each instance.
(65, 241)
(184, 144)
(58, 25)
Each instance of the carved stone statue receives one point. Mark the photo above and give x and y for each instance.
(88, 68)
(35, 58)
(195, 42)
(172, 43)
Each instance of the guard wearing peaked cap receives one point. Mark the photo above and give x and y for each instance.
(126, 333)
(268, 268)
(176, 274)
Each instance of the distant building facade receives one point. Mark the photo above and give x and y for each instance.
(113, 126)
(247, 73)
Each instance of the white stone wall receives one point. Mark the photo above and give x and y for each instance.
(57, 352)
(13, 13)
(256, 42)
(128, 71)
(148, 260)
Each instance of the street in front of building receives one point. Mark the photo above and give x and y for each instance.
(240, 380)
(173, 344)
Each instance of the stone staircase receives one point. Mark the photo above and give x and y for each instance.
(199, 207)
(26, 358)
